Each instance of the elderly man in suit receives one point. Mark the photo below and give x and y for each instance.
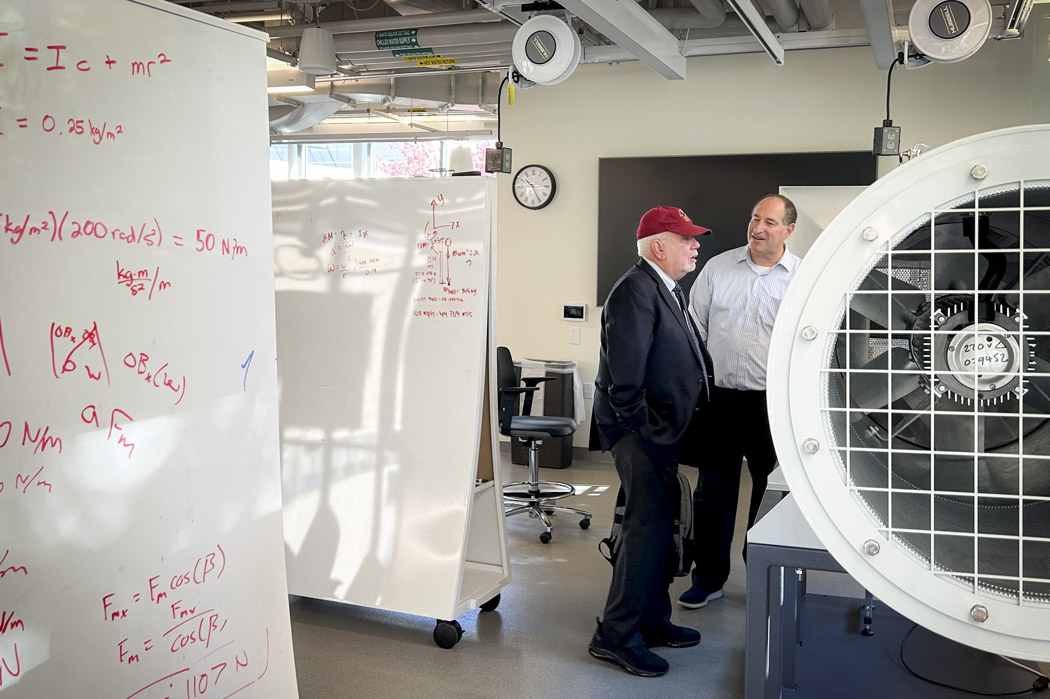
(652, 373)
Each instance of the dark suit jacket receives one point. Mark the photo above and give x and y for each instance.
(649, 377)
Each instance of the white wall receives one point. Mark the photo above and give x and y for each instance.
(818, 101)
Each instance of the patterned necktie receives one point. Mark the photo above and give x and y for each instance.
(680, 295)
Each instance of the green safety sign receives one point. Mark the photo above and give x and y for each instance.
(397, 39)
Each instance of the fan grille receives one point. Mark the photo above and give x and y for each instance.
(936, 391)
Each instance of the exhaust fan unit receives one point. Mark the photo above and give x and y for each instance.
(909, 389)
(946, 31)
(546, 50)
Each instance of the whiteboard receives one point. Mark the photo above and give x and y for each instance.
(140, 525)
(382, 316)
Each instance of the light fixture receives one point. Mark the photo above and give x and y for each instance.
(287, 81)
(317, 52)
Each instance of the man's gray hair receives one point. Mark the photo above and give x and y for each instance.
(645, 245)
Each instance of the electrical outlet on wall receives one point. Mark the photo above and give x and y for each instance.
(588, 390)
(574, 336)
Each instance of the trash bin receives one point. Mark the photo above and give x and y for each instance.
(555, 399)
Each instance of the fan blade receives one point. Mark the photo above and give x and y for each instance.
(869, 391)
(1039, 280)
(957, 433)
(954, 272)
(890, 315)
(1037, 398)
(1037, 306)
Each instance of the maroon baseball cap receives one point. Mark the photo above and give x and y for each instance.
(670, 219)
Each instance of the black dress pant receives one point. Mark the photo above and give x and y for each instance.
(739, 428)
(643, 567)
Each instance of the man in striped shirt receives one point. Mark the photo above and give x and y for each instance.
(734, 302)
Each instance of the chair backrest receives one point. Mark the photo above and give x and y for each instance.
(505, 368)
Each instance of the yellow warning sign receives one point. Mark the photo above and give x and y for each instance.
(433, 61)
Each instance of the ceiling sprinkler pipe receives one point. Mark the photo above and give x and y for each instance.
(437, 19)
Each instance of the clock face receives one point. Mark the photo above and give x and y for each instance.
(534, 186)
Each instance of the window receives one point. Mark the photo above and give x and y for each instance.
(341, 161)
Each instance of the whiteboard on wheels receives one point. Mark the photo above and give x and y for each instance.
(140, 515)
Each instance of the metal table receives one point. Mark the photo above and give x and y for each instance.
(781, 547)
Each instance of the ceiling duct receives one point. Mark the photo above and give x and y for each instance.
(301, 113)
(909, 390)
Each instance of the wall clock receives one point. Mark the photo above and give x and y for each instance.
(534, 186)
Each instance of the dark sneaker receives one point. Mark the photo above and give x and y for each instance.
(637, 661)
(673, 637)
(698, 596)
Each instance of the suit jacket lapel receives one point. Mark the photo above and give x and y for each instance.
(672, 304)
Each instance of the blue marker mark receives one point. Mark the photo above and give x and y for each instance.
(245, 366)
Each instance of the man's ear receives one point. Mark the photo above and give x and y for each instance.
(791, 229)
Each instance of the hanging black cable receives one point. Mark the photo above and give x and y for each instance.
(1039, 685)
(499, 103)
(888, 137)
(889, 77)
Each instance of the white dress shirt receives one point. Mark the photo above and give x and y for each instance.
(664, 276)
(734, 303)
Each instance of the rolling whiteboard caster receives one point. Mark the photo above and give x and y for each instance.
(545, 538)
(491, 604)
(447, 633)
(585, 523)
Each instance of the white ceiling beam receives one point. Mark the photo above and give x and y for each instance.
(726, 45)
(633, 29)
(756, 24)
(878, 15)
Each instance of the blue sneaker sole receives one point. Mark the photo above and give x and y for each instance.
(717, 594)
(601, 654)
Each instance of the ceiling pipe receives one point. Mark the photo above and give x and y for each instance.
(685, 18)
(459, 50)
(711, 12)
(494, 61)
(785, 12)
(238, 7)
(435, 37)
(437, 19)
(818, 13)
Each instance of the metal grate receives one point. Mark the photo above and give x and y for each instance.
(937, 392)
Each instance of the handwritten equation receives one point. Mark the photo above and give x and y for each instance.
(136, 280)
(341, 257)
(61, 226)
(3, 348)
(225, 671)
(52, 58)
(11, 624)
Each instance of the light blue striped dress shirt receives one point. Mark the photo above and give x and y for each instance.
(734, 307)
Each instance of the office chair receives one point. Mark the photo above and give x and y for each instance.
(533, 496)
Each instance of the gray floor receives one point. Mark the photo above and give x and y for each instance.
(535, 643)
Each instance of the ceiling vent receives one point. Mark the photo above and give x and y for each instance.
(909, 390)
